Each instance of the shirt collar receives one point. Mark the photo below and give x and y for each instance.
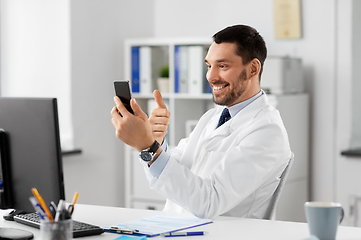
(233, 110)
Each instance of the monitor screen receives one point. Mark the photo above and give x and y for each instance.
(30, 151)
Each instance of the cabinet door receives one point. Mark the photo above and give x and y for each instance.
(140, 185)
(291, 204)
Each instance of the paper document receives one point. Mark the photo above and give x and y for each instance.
(158, 224)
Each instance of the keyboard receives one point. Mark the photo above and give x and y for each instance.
(80, 229)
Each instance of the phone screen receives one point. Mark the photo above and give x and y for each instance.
(122, 90)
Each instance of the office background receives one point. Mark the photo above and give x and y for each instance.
(73, 49)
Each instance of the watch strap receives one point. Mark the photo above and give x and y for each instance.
(153, 149)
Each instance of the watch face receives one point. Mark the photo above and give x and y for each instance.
(146, 156)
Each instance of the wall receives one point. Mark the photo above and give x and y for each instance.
(317, 48)
(73, 50)
(347, 174)
(356, 73)
(98, 28)
(35, 54)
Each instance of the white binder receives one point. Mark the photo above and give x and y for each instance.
(183, 69)
(195, 69)
(145, 73)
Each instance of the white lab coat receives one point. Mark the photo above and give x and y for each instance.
(232, 170)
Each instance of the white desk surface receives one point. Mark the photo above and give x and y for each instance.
(221, 228)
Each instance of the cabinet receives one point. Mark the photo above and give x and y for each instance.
(186, 108)
(294, 109)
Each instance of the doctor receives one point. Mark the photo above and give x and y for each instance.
(230, 163)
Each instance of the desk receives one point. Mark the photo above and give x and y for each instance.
(221, 228)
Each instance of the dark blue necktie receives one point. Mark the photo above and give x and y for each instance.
(225, 116)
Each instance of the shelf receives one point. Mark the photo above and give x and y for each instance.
(352, 152)
(203, 96)
(168, 41)
(70, 152)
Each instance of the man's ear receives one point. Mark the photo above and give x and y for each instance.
(255, 67)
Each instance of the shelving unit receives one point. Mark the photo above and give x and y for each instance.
(137, 193)
(200, 102)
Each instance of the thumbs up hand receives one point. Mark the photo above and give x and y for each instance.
(159, 118)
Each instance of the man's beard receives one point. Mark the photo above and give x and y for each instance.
(235, 94)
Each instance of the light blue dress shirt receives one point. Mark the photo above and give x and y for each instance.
(157, 167)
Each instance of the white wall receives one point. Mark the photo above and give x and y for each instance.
(316, 48)
(347, 174)
(73, 50)
(35, 54)
(98, 28)
(356, 73)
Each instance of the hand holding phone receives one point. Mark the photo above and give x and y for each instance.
(135, 130)
(122, 90)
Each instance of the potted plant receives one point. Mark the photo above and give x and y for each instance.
(163, 80)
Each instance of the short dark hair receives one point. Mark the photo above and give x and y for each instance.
(250, 43)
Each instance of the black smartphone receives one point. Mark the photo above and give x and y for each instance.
(122, 90)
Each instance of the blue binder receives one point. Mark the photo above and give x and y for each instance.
(135, 69)
(207, 87)
(176, 69)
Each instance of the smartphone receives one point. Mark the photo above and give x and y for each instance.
(122, 90)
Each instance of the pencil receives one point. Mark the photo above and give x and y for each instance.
(71, 207)
(75, 198)
(42, 203)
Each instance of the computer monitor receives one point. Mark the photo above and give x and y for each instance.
(30, 151)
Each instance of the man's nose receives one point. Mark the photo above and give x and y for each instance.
(212, 74)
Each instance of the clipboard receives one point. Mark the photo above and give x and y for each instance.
(155, 225)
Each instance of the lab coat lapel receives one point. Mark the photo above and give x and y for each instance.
(249, 112)
(236, 122)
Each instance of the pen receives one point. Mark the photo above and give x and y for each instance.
(59, 210)
(52, 203)
(123, 230)
(52, 208)
(183, 234)
(37, 207)
(42, 203)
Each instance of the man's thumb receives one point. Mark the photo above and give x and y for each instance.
(137, 109)
(159, 99)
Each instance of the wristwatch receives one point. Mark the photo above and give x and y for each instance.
(148, 154)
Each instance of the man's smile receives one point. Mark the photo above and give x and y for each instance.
(219, 88)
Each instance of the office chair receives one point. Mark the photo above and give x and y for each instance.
(276, 195)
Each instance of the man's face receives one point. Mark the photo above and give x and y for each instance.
(226, 74)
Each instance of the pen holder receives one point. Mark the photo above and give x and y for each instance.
(60, 230)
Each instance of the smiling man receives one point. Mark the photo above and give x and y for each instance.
(230, 164)
(232, 81)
